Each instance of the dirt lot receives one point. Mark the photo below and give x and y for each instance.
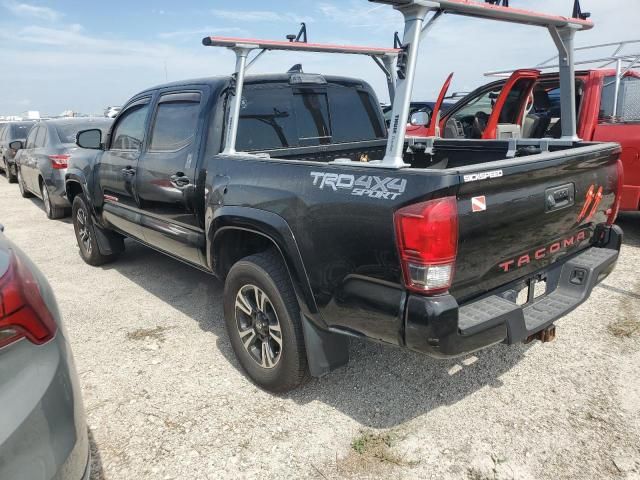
(165, 398)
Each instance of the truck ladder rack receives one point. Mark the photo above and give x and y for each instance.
(562, 30)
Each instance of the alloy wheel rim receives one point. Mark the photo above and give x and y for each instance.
(258, 326)
(83, 230)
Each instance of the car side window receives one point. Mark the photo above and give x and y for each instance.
(128, 133)
(2, 132)
(41, 137)
(176, 122)
(31, 138)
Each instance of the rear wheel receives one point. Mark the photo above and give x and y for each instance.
(263, 322)
(23, 190)
(50, 209)
(86, 235)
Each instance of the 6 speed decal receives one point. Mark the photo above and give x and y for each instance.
(386, 188)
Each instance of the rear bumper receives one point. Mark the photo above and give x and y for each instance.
(439, 327)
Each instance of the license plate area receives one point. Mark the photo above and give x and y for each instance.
(531, 290)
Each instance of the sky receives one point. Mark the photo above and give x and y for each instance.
(83, 55)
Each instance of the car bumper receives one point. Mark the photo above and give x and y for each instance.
(439, 327)
(43, 431)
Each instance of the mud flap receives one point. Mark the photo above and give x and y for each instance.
(109, 242)
(326, 351)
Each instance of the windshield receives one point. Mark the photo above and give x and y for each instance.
(68, 131)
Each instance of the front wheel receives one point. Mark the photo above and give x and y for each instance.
(262, 317)
(86, 235)
(7, 171)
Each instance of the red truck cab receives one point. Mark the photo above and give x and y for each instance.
(527, 105)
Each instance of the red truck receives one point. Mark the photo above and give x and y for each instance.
(526, 105)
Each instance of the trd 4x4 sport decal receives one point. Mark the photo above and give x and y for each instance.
(386, 188)
(591, 202)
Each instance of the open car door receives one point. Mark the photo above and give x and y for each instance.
(433, 129)
(495, 111)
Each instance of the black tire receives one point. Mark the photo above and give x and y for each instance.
(23, 190)
(266, 272)
(86, 235)
(53, 212)
(7, 171)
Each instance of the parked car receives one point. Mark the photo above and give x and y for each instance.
(527, 105)
(42, 163)
(287, 187)
(43, 431)
(11, 132)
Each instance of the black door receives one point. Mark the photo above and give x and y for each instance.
(118, 168)
(166, 177)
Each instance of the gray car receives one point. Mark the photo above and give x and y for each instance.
(43, 430)
(42, 161)
(10, 132)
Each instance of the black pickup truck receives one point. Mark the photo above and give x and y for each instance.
(460, 250)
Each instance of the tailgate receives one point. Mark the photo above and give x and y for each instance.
(518, 217)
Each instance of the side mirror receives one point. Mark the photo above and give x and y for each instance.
(16, 145)
(90, 139)
(420, 118)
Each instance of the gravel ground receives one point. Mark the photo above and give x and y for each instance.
(165, 398)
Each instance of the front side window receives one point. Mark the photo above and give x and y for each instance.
(31, 138)
(312, 117)
(266, 120)
(129, 132)
(175, 125)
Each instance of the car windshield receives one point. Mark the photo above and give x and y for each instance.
(68, 131)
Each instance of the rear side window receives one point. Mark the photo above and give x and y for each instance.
(266, 120)
(628, 109)
(129, 132)
(312, 117)
(354, 117)
(175, 124)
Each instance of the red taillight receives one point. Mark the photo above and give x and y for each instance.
(612, 213)
(23, 312)
(59, 161)
(427, 236)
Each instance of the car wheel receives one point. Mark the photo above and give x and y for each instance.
(50, 209)
(23, 190)
(262, 317)
(86, 235)
(12, 177)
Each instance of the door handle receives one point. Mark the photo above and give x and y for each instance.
(179, 180)
(128, 172)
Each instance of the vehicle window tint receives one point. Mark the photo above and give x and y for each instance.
(175, 125)
(483, 103)
(354, 116)
(41, 137)
(21, 130)
(129, 131)
(510, 112)
(312, 117)
(31, 138)
(266, 120)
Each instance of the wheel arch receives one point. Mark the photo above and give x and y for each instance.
(237, 232)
